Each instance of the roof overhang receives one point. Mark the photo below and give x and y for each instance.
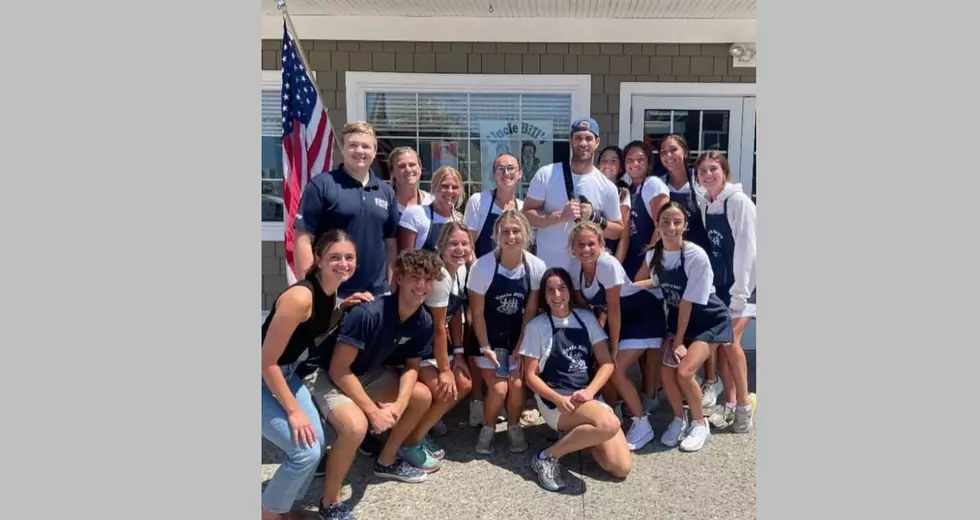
(586, 21)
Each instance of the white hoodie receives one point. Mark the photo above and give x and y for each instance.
(741, 217)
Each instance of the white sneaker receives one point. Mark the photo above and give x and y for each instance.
(476, 413)
(697, 435)
(674, 432)
(709, 393)
(639, 434)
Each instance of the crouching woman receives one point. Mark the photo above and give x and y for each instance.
(559, 347)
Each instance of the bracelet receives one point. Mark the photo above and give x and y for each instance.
(485, 348)
(458, 351)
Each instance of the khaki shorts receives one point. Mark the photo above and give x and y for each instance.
(328, 397)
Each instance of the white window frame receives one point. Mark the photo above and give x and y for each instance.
(274, 231)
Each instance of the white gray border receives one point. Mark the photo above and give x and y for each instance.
(131, 259)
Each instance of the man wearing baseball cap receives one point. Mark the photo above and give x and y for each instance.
(553, 213)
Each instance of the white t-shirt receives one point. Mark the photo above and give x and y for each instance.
(538, 338)
(416, 218)
(482, 272)
(650, 189)
(608, 272)
(700, 277)
(439, 295)
(548, 185)
(477, 208)
(424, 200)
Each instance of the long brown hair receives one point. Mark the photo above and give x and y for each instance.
(658, 247)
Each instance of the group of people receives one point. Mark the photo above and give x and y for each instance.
(411, 302)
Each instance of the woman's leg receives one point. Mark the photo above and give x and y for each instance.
(588, 425)
(476, 393)
(678, 426)
(651, 371)
(350, 425)
(515, 408)
(495, 396)
(614, 455)
(737, 362)
(296, 472)
(429, 376)
(727, 378)
(624, 386)
(687, 369)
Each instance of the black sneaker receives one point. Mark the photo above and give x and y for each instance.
(370, 446)
(338, 511)
(400, 470)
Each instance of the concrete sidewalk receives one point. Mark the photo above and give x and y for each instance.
(717, 482)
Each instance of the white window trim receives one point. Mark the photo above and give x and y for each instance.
(274, 231)
(358, 83)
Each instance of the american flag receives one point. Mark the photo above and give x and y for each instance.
(307, 137)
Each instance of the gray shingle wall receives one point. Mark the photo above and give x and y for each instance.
(609, 64)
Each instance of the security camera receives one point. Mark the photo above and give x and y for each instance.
(736, 50)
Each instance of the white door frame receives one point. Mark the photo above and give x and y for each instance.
(741, 132)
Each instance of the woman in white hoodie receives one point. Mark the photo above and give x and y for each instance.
(729, 217)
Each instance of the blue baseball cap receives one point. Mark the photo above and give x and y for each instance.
(586, 124)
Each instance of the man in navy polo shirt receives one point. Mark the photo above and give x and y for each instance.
(353, 198)
(358, 389)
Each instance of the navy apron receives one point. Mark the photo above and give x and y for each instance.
(641, 314)
(567, 369)
(696, 232)
(457, 301)
(641, 231)
(710, 322)
(722, 254)
(432, 239)
(504, 306)
(484, 242)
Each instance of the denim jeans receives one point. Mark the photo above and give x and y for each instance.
(296, 472)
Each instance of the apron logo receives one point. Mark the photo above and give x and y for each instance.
(715, 237)
(509, 304)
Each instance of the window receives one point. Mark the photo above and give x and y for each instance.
(465, 121)
(273, 209)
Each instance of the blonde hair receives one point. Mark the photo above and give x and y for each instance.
(358, 127)
(447, 231)
(400, 151)
(441, 175)
(718, 157)
(512, 214)
(585, 225)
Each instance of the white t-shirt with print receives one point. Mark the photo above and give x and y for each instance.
(416, 218)
(538, 338)
(697, 266)
(477, 208)
(548, 185)
(608, 272)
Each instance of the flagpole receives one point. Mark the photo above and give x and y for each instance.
(281, 4)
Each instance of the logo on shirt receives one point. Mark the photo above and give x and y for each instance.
(402, 340)
(383, 204)
(715, 237)
(510, 303)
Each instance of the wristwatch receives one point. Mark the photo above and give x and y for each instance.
(485, 348)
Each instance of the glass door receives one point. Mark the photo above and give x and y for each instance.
(707, 123)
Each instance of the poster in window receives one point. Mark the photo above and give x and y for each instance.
(530, 142)
(444, 153)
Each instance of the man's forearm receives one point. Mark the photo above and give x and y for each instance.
(540, 219)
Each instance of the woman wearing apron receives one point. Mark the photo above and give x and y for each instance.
(632, 316)
(697, 322)
(299, 320)
(558, 348)
(674, 155)
(730, 217)
(444, 370)
(481, 212)
(406, 172)
(420, 225)
(611, 165)
(503, 288)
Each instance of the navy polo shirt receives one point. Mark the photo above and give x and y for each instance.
(380, 337)
(368, 213)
